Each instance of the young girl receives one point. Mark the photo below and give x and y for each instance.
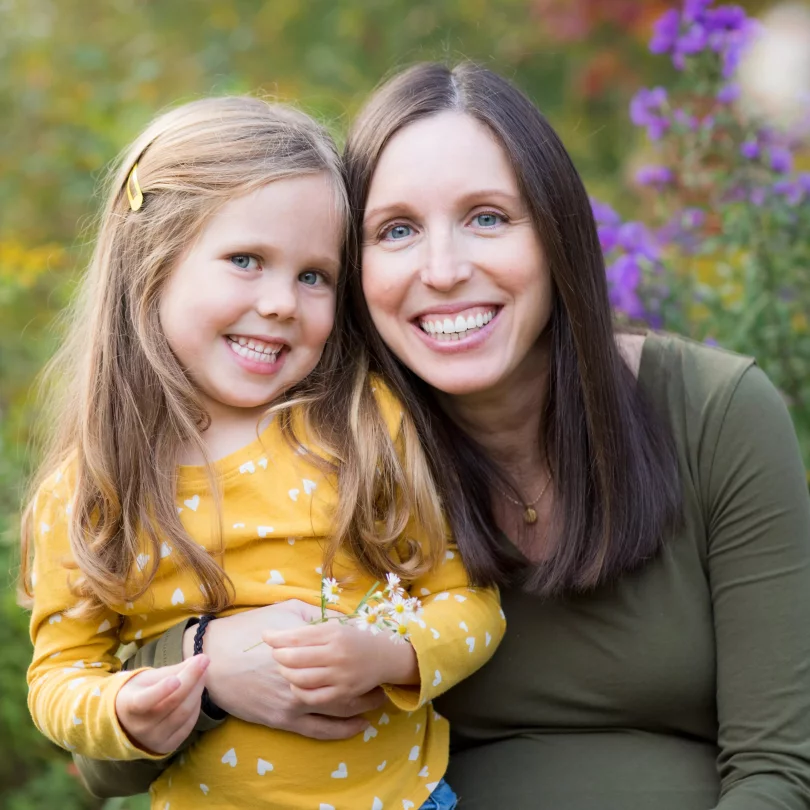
(169, 491)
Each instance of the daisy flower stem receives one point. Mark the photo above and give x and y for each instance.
(371, 591)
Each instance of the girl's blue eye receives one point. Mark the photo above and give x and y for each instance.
(488, 220)
(244, 262)
(399, 232)
(310, 277)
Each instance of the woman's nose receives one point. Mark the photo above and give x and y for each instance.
(444, 266)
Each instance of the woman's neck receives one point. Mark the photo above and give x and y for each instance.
(506, 420)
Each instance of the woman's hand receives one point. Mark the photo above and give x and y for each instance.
(159, 707)
(249, 686)
(335, 662)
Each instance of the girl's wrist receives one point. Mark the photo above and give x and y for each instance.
(401, 664)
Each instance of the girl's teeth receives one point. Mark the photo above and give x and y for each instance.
(247, 348)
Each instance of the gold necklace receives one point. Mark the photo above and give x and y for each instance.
(529, 514)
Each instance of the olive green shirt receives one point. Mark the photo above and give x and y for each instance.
(684, 685)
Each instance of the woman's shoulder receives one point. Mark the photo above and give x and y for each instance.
(688, 371)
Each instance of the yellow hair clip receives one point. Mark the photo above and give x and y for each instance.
(134, 193)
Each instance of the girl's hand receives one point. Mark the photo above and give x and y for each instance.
(159, 707)
(248, 685)
(334, 661)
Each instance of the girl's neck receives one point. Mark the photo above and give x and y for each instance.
(230, 430)
(506, 420)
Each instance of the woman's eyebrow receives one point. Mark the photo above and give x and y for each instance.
(463, 199)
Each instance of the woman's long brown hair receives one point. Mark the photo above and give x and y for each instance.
(612, 460)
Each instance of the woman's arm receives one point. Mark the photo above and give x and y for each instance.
(244, 684)
(758, 514)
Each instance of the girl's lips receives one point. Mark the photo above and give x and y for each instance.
(465, 341)
(254, 362)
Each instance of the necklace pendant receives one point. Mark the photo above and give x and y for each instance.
(529, 515)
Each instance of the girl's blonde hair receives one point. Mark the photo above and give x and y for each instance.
(119, 406)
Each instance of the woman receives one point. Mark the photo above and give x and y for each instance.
(640, 499)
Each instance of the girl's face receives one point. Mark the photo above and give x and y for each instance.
(453, 270)
(249, 307)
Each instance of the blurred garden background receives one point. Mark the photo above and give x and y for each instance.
(691, 131)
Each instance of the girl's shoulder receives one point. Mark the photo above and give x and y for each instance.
(389, 405)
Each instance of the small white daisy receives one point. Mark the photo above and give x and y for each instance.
(330, 590)
(399, 633)
(393, 583)
(370, 618)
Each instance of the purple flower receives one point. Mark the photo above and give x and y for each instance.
(683, 118)
(624, 278)
(725, 18)
(654, 176)
(604, 214)
(729, 93)
(750, 149)
(693, 9)
(608, 237)
(693, 41)
(758, 196)
(692, 218)
(791, 190)
(710, 341)
(781, 159)
(635, 238)
(665, 32)
(646, 110)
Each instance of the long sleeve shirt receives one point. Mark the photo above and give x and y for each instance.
(276, 507)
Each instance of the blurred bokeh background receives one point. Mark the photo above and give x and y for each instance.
(78, 80)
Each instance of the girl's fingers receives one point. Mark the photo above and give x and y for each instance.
(307, 678)
(191, 678)
(175, 727)
(315, 698)
(302, 657)
(307, 636)
(144, 701)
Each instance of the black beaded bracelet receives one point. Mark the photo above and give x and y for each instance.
(206, 704)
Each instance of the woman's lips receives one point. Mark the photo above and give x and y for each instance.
(460, 331)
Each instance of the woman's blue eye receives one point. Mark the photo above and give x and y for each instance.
(487, 220)
(310, 277)
(399, 232)
(244, 262)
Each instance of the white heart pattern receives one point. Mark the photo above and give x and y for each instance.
(440, 597)
(414, 753)
(383, 721)
(342, 771)
(139, 635)
(275, 579)
(264, 530)
(165, 550)
(247, 467)
(55, 618)
(204, 789)
(487, 639)
(377, 804)
(239, 525)
(263, 767)
(437, 678)
(96, 692)
(424, 592)
(294, 493)
(323, 806)
(471, 643)
(44, 527)
(459, 598)
(229, 757)
(193, 503)
(309, 486)
(75, 682)
(141, 560)
(291, 541)
(434, 632)
(104, 626)
(77, 721)
(407, 804)
(463, 626)
(381, 766)
(178, 598)
(369, 733)
(423, 773)
(263, 463)
(431, 786)
(449, 555)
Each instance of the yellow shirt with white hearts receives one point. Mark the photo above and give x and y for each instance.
(276, 510)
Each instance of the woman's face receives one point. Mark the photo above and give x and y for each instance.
(453, 270)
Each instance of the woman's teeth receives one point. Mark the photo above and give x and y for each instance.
(254, 349)
(456, 328)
